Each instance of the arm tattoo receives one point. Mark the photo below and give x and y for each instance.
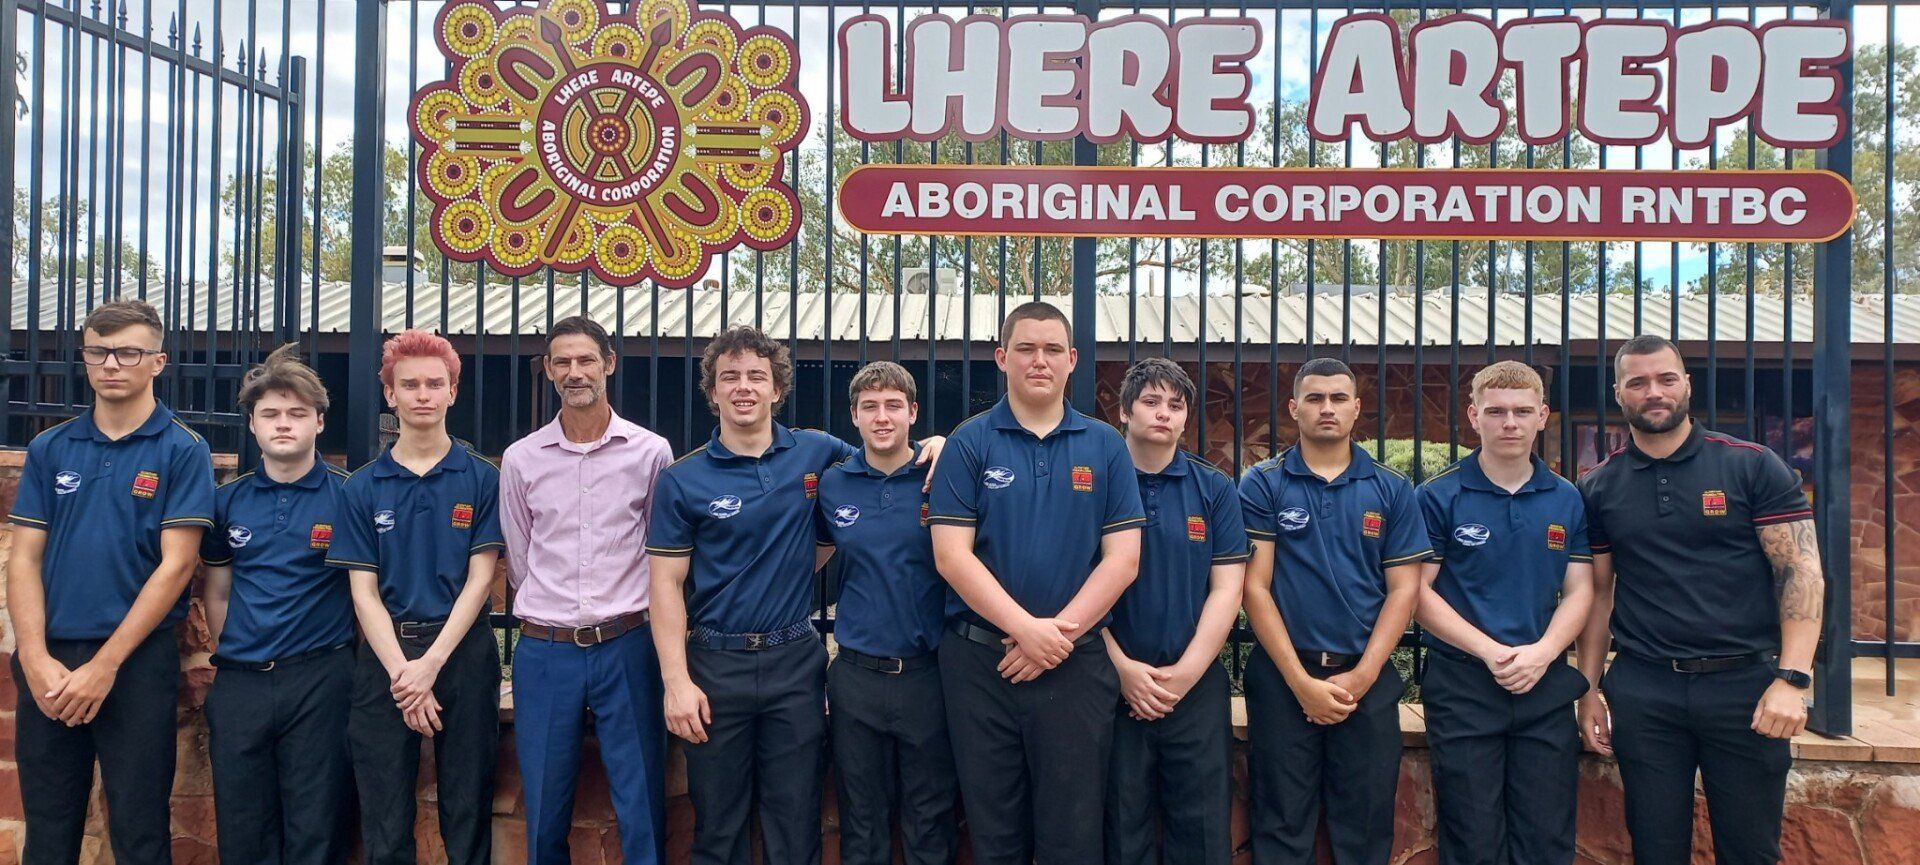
(1797, 579)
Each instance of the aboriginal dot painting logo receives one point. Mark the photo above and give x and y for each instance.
(636, 145)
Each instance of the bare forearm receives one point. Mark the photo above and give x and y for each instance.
(1263, 614)
(375, 623)
(1217, 615)
(468, 607)
(1097, 596)
(970, 579)
(1801, 586)
(669, 617)
(26, 595)
(1576, 598)
(214, 597)
(1396, 612)
(1591, 646)
(1446, 623)
(179, 558)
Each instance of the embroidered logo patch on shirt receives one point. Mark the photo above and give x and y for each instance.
(925, 511)
(1196, 528)
(1713, 503)
(724, 507)
(1083, 479)
(1556, 536)
(997, 477)
(1470, 534)
(383, 521)
(321, 537)
(1293, 519)
(1371, 523)
(238, 536)
(462, 515)
(145, 484)
(845, 516)
(66, 482)
(812, 482)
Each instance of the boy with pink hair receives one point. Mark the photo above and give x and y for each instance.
(419, 535)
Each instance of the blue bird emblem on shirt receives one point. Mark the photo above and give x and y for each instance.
(845, 515)
(724, 507)
(383, 521)
(66, 482)
(238, 536)
(997, 477)
(1293, 519)
(1472, 534)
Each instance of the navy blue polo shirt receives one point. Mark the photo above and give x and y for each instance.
(748, 524)
(103, 503)
(285, 598)
(418, 532)
(892, 599)
(1039, 506)
(1691, 579)
(1503, 556)
(1332, 543)
(1193, 523)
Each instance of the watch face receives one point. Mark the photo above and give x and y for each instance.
(1794, 677)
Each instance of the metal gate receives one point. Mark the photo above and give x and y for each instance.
(1812, 350)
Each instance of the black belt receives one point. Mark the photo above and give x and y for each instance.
(1327, 660)
(264, 666)
(1716, 664)
(417, 630)
(890, 666)
(587, 635)
(986, 636)
(708, 638)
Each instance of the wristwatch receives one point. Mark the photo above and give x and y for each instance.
(1793, 677)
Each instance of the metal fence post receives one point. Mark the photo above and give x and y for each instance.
(293, 106)
(9, 103)
(1832, 433)
(368, 233)
(1084, 384)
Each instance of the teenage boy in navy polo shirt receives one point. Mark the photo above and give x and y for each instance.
(1501, 600)
(1170, 788)
(745, 671)
(1714, 618)
(1036, 526)
(1337, 547)
(107, 527)
(282, 624)
(889, 723)
(419, 536)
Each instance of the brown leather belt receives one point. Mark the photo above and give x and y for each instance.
(587, 635)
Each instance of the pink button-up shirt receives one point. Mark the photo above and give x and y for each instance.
(575, 519)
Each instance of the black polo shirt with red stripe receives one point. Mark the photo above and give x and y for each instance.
(1690, 577)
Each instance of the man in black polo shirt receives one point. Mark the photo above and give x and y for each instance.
(106, 535)
(1715, 614)
(1036, 526)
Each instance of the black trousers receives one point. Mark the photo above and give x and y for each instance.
(1170, 782)
(1505, 766)
(1299, 770)
(278, 742)
(1033, 756)
(133, 738)
(764, 749)
(386, 754)
(1667, 725)
(891, 748)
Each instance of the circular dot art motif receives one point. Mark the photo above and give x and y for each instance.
(635, 145)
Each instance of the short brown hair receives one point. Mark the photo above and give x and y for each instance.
(748, 340)
(882, 375)
(1508, 375)
(1646, 344)
(1155, 371)
(580, 325)
(112, 317)
(1033, 310)
(282, 370)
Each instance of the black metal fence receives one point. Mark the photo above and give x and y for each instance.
(245, 165)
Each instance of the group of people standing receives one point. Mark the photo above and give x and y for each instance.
(1028, 631)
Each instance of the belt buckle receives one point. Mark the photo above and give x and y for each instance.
(1676, 662)
(269, 667)
(1326, 660)
(756, 642)
(899, 666)
(592, 630)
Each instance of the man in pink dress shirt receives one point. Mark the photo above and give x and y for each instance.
(575, 496)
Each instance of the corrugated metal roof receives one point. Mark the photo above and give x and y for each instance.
(1155, 318)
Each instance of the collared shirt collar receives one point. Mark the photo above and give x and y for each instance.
(1686, 450)
(782, 439)
(1472, 476)
(153, 425)
(385, 466)
(1002, 417)
(553, 435)
(858, 465)
(1361, 467)
(311, 480)
(1175, 469)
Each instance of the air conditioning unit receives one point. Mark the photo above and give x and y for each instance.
(914, 280)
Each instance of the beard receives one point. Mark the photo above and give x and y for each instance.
(1674, 418)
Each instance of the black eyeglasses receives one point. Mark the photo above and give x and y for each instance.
(127, 355)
